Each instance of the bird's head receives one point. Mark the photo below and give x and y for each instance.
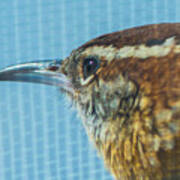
(101, 77)
(102, 90)
(125, 86)
(106, 77)
(92, 77)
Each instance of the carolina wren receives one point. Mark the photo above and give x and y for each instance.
(126, 87)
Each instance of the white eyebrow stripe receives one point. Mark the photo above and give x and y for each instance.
(139, 51)
(108, 52)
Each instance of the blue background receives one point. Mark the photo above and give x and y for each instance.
(41, 137)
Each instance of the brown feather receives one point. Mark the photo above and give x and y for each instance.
(131, 105)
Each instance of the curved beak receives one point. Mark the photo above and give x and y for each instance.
(44, 72)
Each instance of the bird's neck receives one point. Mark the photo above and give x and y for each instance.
(119, 144)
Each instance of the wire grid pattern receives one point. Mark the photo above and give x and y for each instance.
(41, 137)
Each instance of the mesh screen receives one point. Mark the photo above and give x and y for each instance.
(41, 138)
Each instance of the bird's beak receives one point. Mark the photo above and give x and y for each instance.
(44, 72)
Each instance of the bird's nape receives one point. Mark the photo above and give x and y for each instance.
(42, 72)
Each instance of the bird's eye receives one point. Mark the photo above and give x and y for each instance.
(90, 66)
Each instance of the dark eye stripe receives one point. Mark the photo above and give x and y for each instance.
(153, 42)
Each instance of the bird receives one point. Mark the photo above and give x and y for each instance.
(126, 88)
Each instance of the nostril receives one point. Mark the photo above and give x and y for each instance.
(53, 68)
